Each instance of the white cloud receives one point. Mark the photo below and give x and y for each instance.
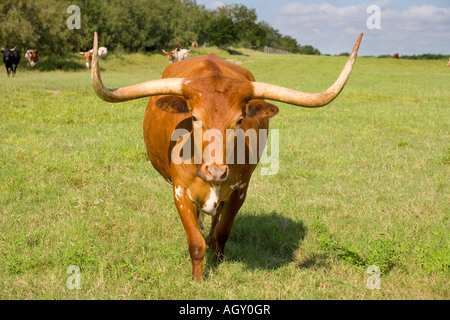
(332, 29)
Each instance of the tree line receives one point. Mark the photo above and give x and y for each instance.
(425, 56)
(135, 25)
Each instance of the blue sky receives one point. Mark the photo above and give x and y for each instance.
(332, 26)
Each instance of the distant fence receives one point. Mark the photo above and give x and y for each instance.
(275, 51)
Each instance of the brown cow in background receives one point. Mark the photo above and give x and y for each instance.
(102, 52)
(32, 57)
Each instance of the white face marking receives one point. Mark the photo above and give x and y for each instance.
(211, 204)
(239, 185)
(178, 192)
(234, 186)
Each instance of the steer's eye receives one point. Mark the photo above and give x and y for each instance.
(194, 118)
(239, 122)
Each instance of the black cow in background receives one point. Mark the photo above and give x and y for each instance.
(11, 58)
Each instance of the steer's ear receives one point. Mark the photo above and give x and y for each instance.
(173, 104)
(261, 109)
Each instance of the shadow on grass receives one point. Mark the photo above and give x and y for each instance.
(67, 62)
(265, 241)
(235, 52)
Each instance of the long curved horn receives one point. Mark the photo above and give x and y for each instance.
(308, 100)
(171, 86)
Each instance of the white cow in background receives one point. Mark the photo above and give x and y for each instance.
(102, 52)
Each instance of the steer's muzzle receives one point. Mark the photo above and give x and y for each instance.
(213, 172)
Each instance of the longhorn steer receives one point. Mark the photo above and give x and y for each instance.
(198, 96)
(102, 52)
(87, 57)
(175, 55)
(11, 58)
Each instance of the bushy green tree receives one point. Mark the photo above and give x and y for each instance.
(222, 32)
(34, 24)
(134, 25)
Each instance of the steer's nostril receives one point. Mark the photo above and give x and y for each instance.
(217, 173)
(224, 176)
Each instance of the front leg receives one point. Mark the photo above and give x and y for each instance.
(188, 215)
(222, 227)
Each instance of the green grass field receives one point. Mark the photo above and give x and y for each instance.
(363, 181)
